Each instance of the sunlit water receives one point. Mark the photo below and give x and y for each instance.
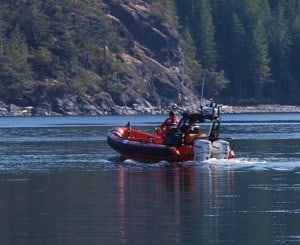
(61, 184)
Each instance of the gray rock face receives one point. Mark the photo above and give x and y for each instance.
(160, 39)
(154, 58)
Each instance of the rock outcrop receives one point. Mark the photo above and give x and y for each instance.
(154, 58)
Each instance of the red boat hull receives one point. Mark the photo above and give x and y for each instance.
(141, 146)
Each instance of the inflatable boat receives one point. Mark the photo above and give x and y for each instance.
(183, 144)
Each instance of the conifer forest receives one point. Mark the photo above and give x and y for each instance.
(50, 48)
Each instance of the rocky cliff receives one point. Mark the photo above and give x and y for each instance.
(154, 58)
(153, 55)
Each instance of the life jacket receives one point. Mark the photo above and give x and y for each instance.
(169, 124)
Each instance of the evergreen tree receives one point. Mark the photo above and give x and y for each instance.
(34, 24)
(249, 48)
(217, 83)
(15, 67)
(280, 51)
(184, 10)
(166, 10)
(73, 42)
(238, 59)
(293, 15)
(192, 67)
(204, 31)
(260, 59)
(222, 12)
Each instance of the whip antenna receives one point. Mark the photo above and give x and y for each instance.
(202, 89)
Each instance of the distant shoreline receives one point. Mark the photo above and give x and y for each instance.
(13, 110)
(261, 109)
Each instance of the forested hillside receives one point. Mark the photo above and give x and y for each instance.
(249, 50)
(50, 48)
(255, 42)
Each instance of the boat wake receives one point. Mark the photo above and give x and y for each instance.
(100, 162)
(236, 164)
(255, 164)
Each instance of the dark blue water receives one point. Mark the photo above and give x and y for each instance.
(61, 184)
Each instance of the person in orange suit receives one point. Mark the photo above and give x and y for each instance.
(169, 124)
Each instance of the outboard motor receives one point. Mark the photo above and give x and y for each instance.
(202, 150)
(220, 149)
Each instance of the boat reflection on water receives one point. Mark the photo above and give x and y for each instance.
(122, 187)
(179, 197)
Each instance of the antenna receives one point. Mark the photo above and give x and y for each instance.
(202, 89)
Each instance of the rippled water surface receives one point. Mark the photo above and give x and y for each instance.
(61, 184)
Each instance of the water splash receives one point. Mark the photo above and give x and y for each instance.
(255, 164)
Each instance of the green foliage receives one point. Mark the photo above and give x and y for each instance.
(216, 81)
(52, 40)
(261, 70)
(192, 67)
(14, 65)
(165, 10)
(280, 50)
(205, 34)
(197, 19)
(54, 47)
(255, 42)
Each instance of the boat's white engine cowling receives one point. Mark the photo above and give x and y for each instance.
(202, 150)
(220, 149)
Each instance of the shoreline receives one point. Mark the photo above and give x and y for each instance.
(261, 109)
(13, 110)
